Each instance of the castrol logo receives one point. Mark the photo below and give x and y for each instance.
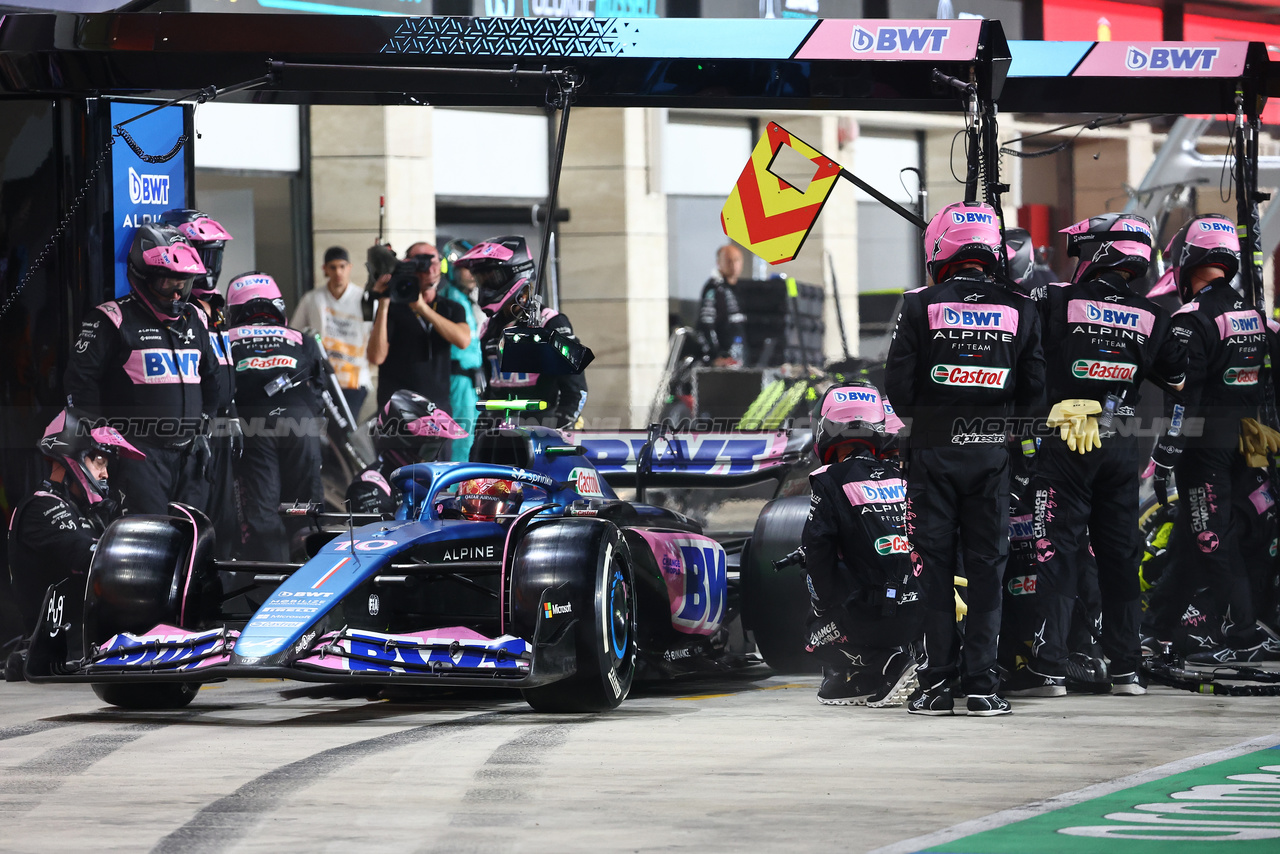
(1240, 376)
(587, 482)
(962, 376)
(1086, 370)
(266, 363)
(892, 545)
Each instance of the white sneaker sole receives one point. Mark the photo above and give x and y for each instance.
(1128, 690)
(902, 689)
(843, 701)
(1039, 691)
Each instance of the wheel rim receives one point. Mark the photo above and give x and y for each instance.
(620, 608)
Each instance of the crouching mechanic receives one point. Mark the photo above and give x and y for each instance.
(504, 274)
(866, 615)
(53, 532)
(278, 376)
(965, 354)
(410, 429)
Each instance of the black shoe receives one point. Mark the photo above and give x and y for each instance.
(1087, 674)
(988, 705)
(932, 701)
(1026, 682)
(1265, 650)
(1127, 684)
(896, 678)
(844, 687)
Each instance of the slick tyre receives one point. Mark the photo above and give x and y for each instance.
(154, 696)
(586, 562)
(775, 603)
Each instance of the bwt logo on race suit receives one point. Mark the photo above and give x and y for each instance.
(1171, 59)
(1215, 225)
(1083, 369)
(972, 318)
(169, 366)
(1240, 376)
(266, 363)
(1245, 324)
(899, 40)
(148, 189)
(962, 376)
(894, 545)
(1021, 528)
(873, 492)
(1112, 316)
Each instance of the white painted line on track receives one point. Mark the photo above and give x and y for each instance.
(1088, 793)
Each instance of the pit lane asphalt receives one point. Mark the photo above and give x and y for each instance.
(696, 765)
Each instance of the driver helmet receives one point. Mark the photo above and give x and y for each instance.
(161, 266)
(1021, 254)
(1110, 241)
(411, 429)
(502, 267)
(484, 499)
(208, 238)
(1208, 240)
(852, 413)
(962, 231)
(254, 299)
(70, 439)
(450, 254)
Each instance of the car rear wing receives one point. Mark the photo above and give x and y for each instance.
(689, 459)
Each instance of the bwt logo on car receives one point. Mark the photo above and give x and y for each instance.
(975, 319)
(1083, 369)
(970, 218)
(960, 375)
(1171, 59)
(884, 493)
(894, 545)
(1111, 316)
(1216, 225)
(899, 40)
(148, 189)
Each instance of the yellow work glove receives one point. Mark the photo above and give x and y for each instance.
(961, 607)
(1078, 427)
(1257, 440)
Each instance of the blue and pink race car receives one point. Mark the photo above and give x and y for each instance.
(568, 598)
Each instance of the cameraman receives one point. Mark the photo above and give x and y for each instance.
(411, 338)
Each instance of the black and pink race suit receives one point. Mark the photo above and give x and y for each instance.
(862, 589)
(565, 394)
(965, 358)
(1101, 341)
(154, 380)
(1224, 535)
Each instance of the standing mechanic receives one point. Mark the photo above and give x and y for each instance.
(965, 356)
(864, 597)
(209, 239)
(1101, 341)
(145, 362)
(278, 375)
(1225, 526)
(53, 531)
(503, 269)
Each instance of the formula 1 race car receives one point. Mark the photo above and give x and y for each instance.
(568, 599)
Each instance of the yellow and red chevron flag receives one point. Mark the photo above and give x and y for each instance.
(766, 214)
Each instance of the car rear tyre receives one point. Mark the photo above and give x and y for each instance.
(775, 603)
(588, 560)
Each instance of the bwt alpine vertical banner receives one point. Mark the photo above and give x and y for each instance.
(141, 191)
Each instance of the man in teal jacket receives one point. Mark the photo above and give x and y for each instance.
(465, 364)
